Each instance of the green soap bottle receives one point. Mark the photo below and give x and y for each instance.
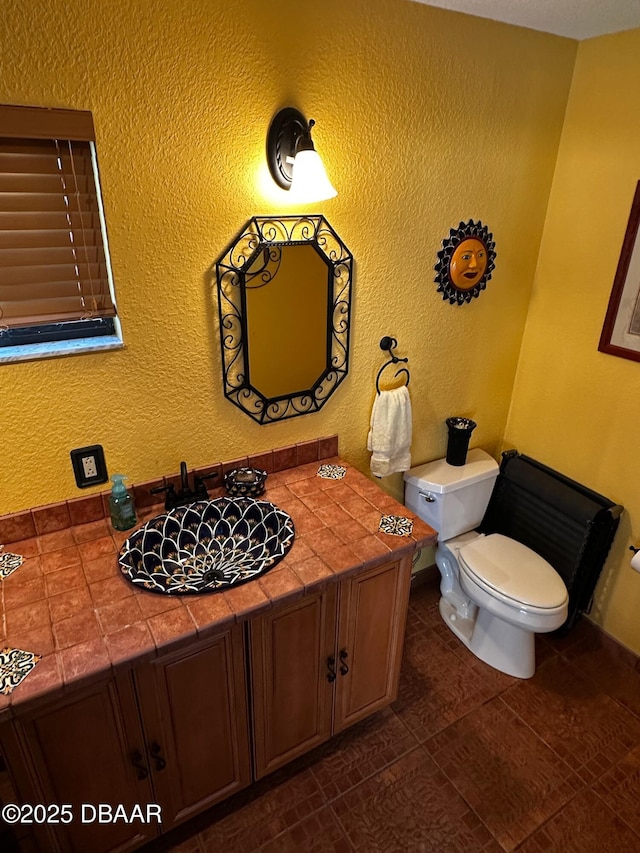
(121, 506)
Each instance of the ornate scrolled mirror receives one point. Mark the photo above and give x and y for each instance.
(284, 297)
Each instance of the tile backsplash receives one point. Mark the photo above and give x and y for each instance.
(58, 516)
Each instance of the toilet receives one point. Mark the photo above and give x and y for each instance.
(497, 594)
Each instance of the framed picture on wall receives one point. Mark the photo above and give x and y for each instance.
(621, 330)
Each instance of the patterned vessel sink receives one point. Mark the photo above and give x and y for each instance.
(208, 546)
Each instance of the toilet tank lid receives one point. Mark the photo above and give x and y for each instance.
(440, 477)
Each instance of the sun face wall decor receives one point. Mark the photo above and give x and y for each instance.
(465, 262)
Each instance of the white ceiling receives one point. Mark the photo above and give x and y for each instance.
(576, 19)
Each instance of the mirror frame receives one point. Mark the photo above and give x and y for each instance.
(234, 269)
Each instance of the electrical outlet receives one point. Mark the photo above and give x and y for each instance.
(89, 466)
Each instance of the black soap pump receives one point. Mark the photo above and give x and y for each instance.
(121, 506)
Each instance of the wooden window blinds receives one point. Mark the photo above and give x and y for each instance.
(53, 263)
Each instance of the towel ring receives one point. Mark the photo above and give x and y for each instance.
(387, 343)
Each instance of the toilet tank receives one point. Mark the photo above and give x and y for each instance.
(451, 498)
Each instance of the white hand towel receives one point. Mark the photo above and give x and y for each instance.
(390, 433)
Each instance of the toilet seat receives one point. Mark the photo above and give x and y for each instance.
(513, 573)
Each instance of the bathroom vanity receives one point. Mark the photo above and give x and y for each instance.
(230, 687)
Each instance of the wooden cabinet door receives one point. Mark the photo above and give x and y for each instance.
(373, 612)
(77, 751)
(292, 681)
(193, 704)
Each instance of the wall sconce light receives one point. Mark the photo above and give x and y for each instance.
(294, 163)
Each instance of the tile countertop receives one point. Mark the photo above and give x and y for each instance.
(69, 602)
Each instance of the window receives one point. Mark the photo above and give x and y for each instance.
(56, 289)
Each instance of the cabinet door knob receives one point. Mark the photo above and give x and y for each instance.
(156, 754)
(344, 669)
(137, 761)
(331, 667)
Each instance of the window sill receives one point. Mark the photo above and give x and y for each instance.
(54, 349)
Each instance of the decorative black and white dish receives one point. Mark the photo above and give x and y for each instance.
(332, 472)
(9, 563)
(396, 525)
(208, 546)
(15, 665)
(245, 482)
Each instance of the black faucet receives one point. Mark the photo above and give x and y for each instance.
(185, 478)
(186, 495)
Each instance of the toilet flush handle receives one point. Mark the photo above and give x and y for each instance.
(427, 496)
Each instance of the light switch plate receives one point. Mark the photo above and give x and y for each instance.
(89, 466)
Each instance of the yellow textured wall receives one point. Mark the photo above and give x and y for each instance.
(573, 407)
(424, 117)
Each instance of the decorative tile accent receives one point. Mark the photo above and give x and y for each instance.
(15, 665)
(331, 472)
(9, 563)
(396, 525)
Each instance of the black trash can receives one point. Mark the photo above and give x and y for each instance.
(460, 430)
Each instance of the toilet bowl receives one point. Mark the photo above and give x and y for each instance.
(496, 593)
(509, 592)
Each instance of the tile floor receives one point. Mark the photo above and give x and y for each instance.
(467, 759)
